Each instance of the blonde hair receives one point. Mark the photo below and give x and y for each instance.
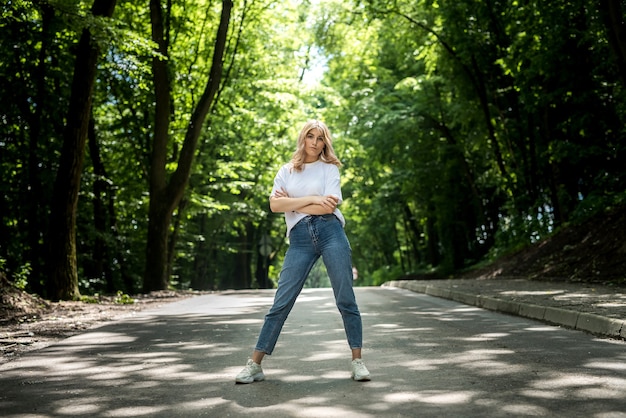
(328, 153)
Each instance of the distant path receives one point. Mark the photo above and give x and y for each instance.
(428, 357)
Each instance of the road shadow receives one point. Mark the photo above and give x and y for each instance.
(427, 359)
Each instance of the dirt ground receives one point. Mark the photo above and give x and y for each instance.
(594, 252)
(29, 323)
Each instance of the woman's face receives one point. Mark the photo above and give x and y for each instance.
(313, 145)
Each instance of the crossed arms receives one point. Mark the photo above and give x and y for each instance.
(311, 205)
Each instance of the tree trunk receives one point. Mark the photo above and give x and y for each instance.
(413, 232)
(262, 270)
(200, 278)
(63, 280)
(613, 16)
(36, 202)
(164, 195)
(171, 246)
(243, 257)
(105, 221)
(98, 265)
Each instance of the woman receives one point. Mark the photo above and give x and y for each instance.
(307, 190)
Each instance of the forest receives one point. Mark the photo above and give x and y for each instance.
(139, 140)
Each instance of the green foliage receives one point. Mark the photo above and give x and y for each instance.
(123, 299)
(120, 298)
(19, 278)
(474, 139)
(318, 277)
(384, 274)
(467, 129)
(90, 298)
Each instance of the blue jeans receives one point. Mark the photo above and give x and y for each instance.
(312, 237)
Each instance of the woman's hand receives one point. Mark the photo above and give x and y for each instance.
(321, 205)
(328, 202)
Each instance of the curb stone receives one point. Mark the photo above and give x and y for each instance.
(588, 322)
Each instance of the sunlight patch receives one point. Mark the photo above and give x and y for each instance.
(606, 365)
(301, 378)
(324, 356)
(542, 328)
(567, 381)
(238, 322)
(611, 305)
(78, 410)
(336, 375)
(526, 410)
(401, 397)
(201, 404)
(601, 393)
(532, 292)
(434, 397)
(312, 400)
(424, 365)
(84, 406)
(162, 360)
(544, 394)
(135, 411)
(109, 337)
(487, 337)
(324, 411)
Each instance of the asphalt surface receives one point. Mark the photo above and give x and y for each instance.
(429, 357)
(600, 310)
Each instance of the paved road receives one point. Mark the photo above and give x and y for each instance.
(429, 357)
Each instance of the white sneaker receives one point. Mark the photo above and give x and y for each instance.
(251, 373)
(359, 371)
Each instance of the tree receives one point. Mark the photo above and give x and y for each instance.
(465, 128)
(61, 259)
(165, 194)
(475, 138)
(612, 13)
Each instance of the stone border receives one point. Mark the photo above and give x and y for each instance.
(594, 324)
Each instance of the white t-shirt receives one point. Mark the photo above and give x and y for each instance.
(315, 179)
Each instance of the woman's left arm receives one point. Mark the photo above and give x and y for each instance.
(311, 205)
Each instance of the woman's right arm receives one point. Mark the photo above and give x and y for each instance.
(312, 205)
